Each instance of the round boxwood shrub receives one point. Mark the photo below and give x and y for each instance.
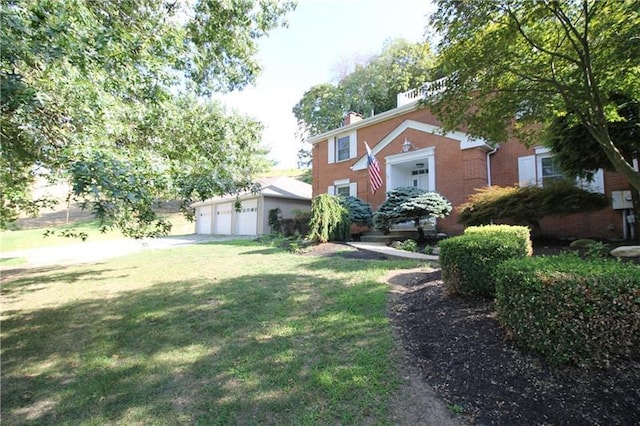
(469, 261)
(571, 310)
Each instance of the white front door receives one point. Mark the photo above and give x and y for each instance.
(420, 179)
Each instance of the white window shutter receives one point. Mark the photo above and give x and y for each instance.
(353, 189)
(352, 146)
(527, 170)
(331, 190)
(597, 185)
(332, 150)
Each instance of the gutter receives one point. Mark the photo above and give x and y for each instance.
(489, 154)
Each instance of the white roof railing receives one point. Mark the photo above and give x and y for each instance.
(427, 89)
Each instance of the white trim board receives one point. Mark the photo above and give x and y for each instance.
(466, 141)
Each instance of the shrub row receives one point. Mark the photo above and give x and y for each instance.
(469, 261)
(571, 310)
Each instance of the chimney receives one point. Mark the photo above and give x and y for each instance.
(350, 118)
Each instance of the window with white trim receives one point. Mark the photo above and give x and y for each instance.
(342, 147)
(541, 170)
(343, 187)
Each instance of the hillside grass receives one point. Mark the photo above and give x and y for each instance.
(224, 333)
(25, 239)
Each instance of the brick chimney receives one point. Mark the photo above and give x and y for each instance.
(350, 118)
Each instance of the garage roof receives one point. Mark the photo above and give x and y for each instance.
(279, 186)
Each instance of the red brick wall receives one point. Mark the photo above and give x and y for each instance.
(458, 174)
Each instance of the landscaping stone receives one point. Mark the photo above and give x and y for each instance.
(626, 251)
(582, 243)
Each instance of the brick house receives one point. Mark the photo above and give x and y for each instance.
(412, 151)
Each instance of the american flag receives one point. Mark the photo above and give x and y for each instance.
(375, 179)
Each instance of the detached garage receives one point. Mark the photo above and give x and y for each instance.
(219, 216)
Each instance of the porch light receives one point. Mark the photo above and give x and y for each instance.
(406, 146)
(420, 165)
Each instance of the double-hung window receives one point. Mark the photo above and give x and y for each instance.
(541, 169)
(342, 147)
(343, 187)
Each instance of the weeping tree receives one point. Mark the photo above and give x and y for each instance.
(329, 219)
(410, 204)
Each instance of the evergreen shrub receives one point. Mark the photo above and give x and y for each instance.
(469, 261)
(522, 232)
(570, 310)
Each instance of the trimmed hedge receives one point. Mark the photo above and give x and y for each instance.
(571, 310)
(522, 232)
(469, 261)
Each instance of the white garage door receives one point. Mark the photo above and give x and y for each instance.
(222, 222)
(203, 220)
(247, 219)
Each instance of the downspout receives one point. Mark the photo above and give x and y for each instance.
(489, 154)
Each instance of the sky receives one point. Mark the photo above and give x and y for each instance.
(320, 35)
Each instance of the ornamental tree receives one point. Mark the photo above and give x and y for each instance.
(528, 204)
(329, 219)
(516, 65)
(410, 204)
(106, 96)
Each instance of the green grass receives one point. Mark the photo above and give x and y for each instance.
(34, 238)
(235, 333)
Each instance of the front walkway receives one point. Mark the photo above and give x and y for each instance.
(391, 253)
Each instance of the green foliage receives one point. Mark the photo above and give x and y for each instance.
(409, 203)
(369, 87)
(359, 212)
(571, 310)
(105, 96)
(407, 245)
(521, 232)
(429, 249)
(528, 204)
(387, 214)
(534, 61)
(275, 215)
(469, 261)
(578, 153)
(597, 250)
(329, 219)
(297, 226)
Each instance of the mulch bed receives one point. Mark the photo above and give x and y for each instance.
(462, 353)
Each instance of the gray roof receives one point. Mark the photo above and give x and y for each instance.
(286, 187)
(278, 186)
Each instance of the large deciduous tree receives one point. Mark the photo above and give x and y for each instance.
(369, 88)
(515, 65)
(108, 96)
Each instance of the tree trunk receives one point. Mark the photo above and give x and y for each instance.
(615, 156)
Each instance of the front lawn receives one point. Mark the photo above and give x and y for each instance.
(233, 333)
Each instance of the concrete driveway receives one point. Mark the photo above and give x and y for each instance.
(93, 251)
